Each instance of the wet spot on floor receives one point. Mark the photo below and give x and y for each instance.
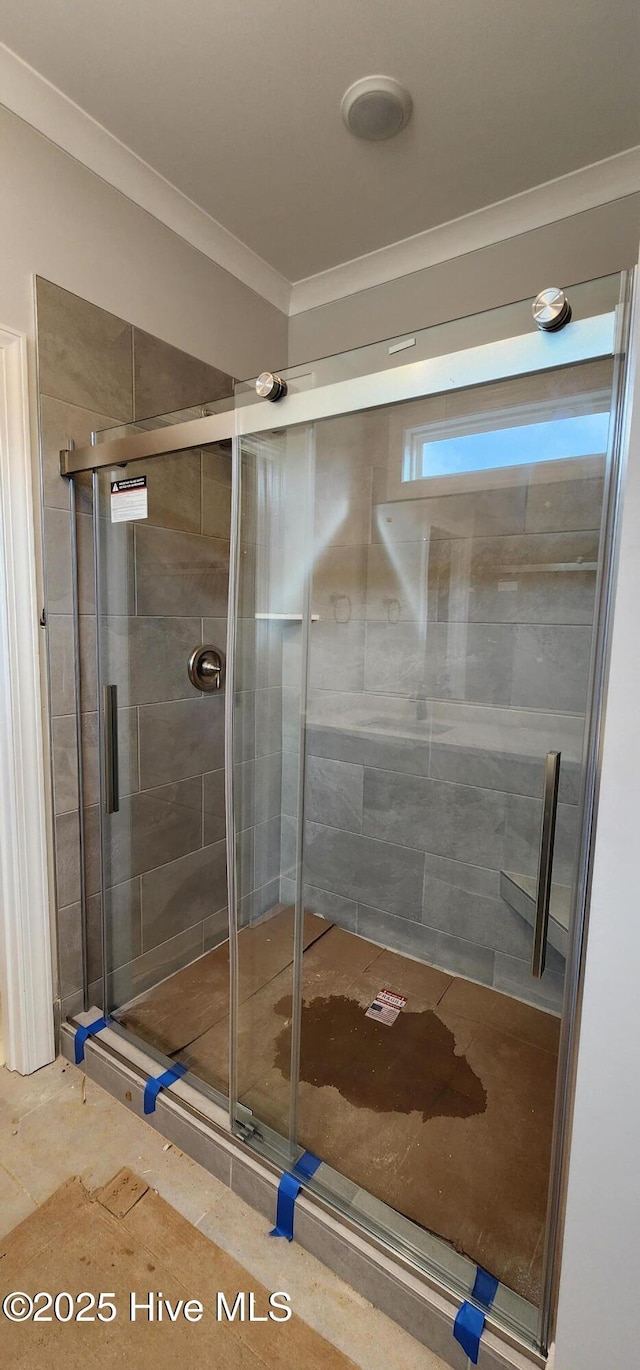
(410, 1066)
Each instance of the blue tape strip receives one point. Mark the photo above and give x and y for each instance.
(288, 1191)
(158, 1082)
(467, 1330)
(87, 1030)
(307, 1165)
(485, 1287)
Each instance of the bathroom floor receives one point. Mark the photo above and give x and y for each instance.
(58, 1127)
(445, 1114)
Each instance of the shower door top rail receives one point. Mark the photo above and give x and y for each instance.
(582, 340)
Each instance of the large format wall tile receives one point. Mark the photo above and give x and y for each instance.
(504, 749)
(477, 513)
(273, 714)
(166, 379)
(155, 965)
(153, 827)
(84, 354)
(68, 856)
(57, 550)
(182, 893)
(339, 583)
(334, 793)
(414, 939)
(61, 423)
(266, 857)
(65, 758)
(360, 868)
(522, 839)
(216, 493)
(180, 573)
(402, 581)
(513, 976)
(147, 658)
(258, 789)
(386, 731)
(396, 658)
(551, 667)
(213, 799)
(458, 821)
(181, 738)
(533, 578)
(62, 663)
(123, 920)
(565, 504)
(337, 655)
(174, 490)
(490, 922)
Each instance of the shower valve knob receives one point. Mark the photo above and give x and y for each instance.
(270, 387)
(206, 668)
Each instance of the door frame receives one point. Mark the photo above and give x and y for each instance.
(26, 975)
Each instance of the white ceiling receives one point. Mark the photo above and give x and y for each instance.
(237, 104)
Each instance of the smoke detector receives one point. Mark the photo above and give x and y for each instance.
(376, 107)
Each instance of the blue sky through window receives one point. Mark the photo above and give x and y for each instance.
(580, 435)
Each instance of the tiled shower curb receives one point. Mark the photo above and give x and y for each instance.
(200, 1130)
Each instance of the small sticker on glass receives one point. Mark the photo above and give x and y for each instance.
(129, 499)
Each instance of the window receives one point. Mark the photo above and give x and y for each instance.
(492, 441)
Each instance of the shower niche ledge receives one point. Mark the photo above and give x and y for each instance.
(519, 891)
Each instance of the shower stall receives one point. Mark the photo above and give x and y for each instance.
(352, 644)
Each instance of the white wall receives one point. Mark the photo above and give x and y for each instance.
(62, 222)
(599, 1309)
(581, 248)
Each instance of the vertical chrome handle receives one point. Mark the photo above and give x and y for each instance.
(545, 864)
(110, 747)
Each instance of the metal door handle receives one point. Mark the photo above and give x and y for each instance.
(110, 747)
(545, 863)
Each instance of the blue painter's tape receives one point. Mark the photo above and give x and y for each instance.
(288, 1191)
(87, 1030)
(485, 1287)
(467, 1330)
(158, 1082)
(307, 1165)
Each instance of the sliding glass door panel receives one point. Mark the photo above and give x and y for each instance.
(162, 556)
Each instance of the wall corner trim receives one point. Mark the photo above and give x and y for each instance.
(26, 979)
(39, 103)
(590, 186)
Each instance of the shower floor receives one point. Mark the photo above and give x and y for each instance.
(446, 1115)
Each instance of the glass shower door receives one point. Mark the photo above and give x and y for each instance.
(455, 560)
(162, 556)
(436, 668)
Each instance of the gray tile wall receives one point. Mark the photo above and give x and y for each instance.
(451, 654)
(166, 591)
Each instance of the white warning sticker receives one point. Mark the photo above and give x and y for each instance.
(386, 1006)
(129, 499)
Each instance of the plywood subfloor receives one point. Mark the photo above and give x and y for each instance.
(446, 1115)
(126, 1238)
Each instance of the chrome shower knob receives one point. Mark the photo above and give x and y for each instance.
(551, 309)
(270, 387)
(206, 668)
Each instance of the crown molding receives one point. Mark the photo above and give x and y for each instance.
(590, 186)
(39, 103)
